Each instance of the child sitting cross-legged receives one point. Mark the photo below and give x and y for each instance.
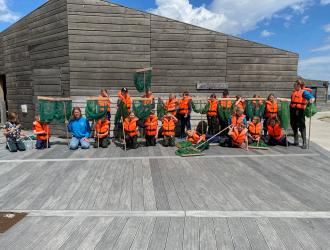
(42, 131)
(194, 137)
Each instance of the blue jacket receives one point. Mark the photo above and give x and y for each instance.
(80, 128)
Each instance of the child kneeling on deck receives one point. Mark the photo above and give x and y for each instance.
(168, 127)
(42, 131)
(101, 133)
(194, 137)
(275, 133)
(151, 129)
(238, 135)
(12, 131)
(255, 130)
(131, 131)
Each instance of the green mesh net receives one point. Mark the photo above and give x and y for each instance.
(261, 144)
(284, 114)
(254, 109)
(50, 110)
(310, 110)
(121, 112)
(200, 107)
(183, 144)
(225, 113)
(187, 149)
(141, 110)
(94, 111)
(142, 80)
(161, 111)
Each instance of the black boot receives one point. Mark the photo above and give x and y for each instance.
(296, 138)
(303, 135)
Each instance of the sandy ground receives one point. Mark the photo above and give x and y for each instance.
(320, 129)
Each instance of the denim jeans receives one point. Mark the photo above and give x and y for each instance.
(75, 142)
(41, 144)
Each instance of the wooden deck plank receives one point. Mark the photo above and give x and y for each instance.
(143, 236)
(128, 234)
(238, 234)
(125, 201)
(175, 234)
(137, 187)
(256, 239)
(159, 235)
(148, 190)
(222, 234)
(207, 238)
(191, 233)
(269, 233)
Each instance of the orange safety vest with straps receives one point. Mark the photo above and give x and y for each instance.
(238, 138)
(236, 121)
(170, 106)
(184, 105)
(126, 100)
(104, 102)
(168, 127)
(271, 109)
(226, 104)
(297, 99)
(130, 127)
(275, 132)
(39, 127)
(213, 110)
(255, 130)
(102, 128)
(195, 138)
(146, 102)
(151, 124)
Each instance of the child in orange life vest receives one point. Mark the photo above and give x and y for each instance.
(148, 94)
(168, 125)
(151, 129)
(104, 101)
(238, 135)
(240, 102)
(255, 129)
(184, 113)
(125, 98)
(131, 131)
(42, 131)
(212, 115)
(194, 137)
(276, 135)
(101, 133)
(238, 118)
(271, 110)
(227, 105)
(171, 105)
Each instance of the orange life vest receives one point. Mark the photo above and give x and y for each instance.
(168, 127)
(170, 106)
(184, 105)
(41, 127)
(146, 102)
(275, 132)
(151, 124)
(226, 104)
(236, 121)
(103, 102)
(255, 130)
(126, 100)
(271, 109)
(195, 138)
(240, 105)
(102, 128)
(213, 110)
(238, 138)
(297, 99)
(130, 127)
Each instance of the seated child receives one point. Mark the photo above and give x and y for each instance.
(42, 131)
(101, 133)
(131, 131)
(12, 131)
(238, 118)
(275, 133)
(194, 137)
(168, 126)
(151, 129)
(238, 136)
(255, 129)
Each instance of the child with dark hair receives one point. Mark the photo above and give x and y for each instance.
(276, 135)
(12, 131)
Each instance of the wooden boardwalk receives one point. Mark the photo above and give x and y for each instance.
(151, 199)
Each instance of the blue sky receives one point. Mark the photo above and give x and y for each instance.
(302, 26)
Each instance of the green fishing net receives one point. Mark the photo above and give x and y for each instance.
(225, 113)
(141, 110)
(121, 112)
(261, 144)
(183, 144)
(142, 80)
(161, 111)
(254, 109)
(50, 110)
(310, 110)
(187, 149)
(200, 107)
(94, 111)
(284, 114)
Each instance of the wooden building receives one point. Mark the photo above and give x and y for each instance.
(75, 47)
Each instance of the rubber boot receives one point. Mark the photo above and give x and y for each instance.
(296, 139)
(303, 135)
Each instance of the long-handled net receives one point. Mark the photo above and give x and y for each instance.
(54, 109)
(141, 110)
(254, 108)
(122, 112)
(94, 110)
(142, 80)
(225, 112)
(310, 110)
(187, 149)
(201, 106)
(284, 114)
(161, 111)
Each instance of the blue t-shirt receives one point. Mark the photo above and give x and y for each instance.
(80, 128)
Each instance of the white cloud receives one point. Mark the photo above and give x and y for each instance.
(327, 28)
(322, 48)
(325, 2)
(315, 68)
(304, 19)
(228, 16)
(6, 15)
(266, 33)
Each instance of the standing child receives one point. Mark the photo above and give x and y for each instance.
(212, 115)
(42, 131)
(276, 135)
(168, 127)
(184, 112)
(271, 110)
(12, 131)
(151, 129)
(255, 129)
(101, 133)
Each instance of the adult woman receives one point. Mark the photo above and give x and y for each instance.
(80, 129)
